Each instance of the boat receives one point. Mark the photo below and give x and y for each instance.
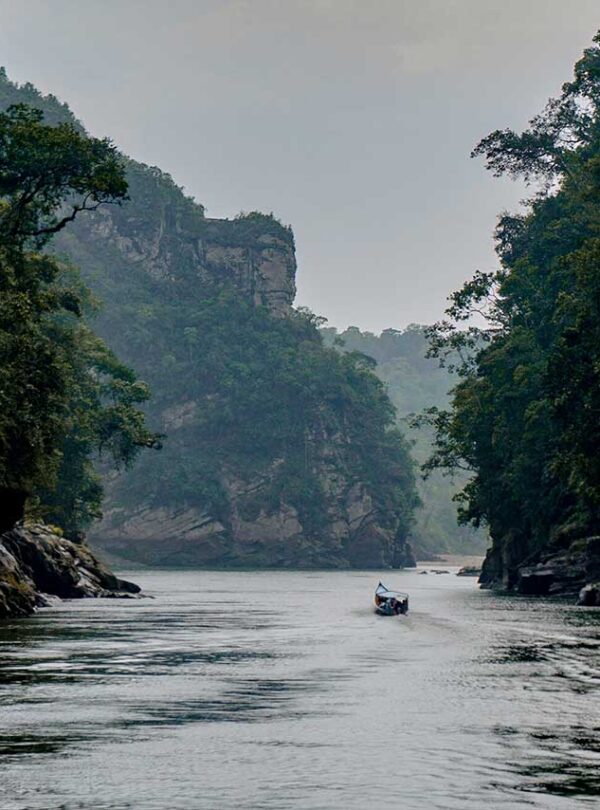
(390, 603)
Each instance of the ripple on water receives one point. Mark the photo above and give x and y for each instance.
(183, 703)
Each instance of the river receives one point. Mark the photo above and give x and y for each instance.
(276, 690)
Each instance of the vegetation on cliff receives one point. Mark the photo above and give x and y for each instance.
(525, 412)
(268, 404)
(414, 381)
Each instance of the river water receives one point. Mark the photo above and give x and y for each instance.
(276, 690)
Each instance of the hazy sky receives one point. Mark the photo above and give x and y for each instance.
(352, 121)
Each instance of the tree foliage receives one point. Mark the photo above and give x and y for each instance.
(524, 414)
(414, 382)
(267, 400)
(48, 175)
(63, 395)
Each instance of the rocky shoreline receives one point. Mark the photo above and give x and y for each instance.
(572, 571)
(37, 563)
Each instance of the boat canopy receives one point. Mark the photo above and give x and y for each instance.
(384, 593)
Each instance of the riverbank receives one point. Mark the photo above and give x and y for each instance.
(37, 564)
(570, 571)
(454, 560)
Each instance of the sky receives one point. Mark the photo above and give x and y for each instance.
(352, 121)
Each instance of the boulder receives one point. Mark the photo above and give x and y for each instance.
(18, 596)
(589, 596)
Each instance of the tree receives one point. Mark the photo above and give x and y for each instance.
(102, 420)
(525, 411)
(48, 175)
(48, 361)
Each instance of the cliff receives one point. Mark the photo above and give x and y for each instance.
(252, 534)
(277, 450)
(165, 236)
(161, 245)
(35, 563)
(203, 309)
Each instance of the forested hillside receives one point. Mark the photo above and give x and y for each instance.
(276, 449)
(525, 415)
(415, 382)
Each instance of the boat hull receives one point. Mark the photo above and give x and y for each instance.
(390, 603)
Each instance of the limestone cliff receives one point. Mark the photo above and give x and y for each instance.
(170, 240)
(277, 450)
(262, 264)
(252, 534)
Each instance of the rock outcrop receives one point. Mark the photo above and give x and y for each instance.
(254, 535)
(165, 235)
(589, 595)
(35, 563)
(260, 261)
(570, 570)
(469, 571)
(161, 244)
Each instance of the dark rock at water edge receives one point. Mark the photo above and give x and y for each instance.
(535, 580)
(469, 571)
(589, 596)
(36, 563)
(569, 570)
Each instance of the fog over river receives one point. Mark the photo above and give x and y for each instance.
(276, 690)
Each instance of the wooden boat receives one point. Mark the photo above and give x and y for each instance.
(390, 603)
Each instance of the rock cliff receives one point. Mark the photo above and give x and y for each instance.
(157, 263)
(35, 563)
(165, 235)
(253, 534)
(278, 451)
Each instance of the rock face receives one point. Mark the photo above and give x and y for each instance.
(165, 235)
(555, 571)
(163, 246)
(261, 265)
(277, 452)
(354, 536)
(35, 562)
